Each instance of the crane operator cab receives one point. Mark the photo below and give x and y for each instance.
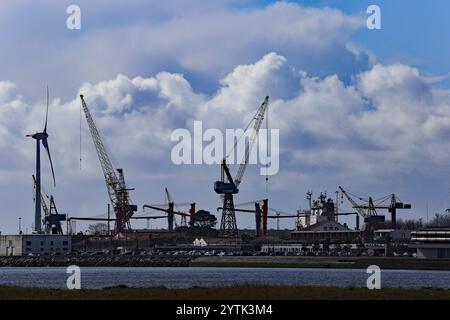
(225, 187)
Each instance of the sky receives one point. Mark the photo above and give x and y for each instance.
(365, 109)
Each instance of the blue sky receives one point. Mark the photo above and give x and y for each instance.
(366, 109)
(413, 32)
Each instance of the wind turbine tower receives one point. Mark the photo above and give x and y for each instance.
(41, 137)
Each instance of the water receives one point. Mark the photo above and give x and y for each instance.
(100, 277)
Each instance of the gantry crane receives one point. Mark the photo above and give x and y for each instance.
(229, 186)
(115, 182)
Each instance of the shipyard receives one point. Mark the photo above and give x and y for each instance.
(316, 231)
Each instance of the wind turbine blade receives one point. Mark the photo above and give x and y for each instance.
(45, 143)
(46, 113)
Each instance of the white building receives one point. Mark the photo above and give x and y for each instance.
(19, 245)
(200, 243)
(398, 235)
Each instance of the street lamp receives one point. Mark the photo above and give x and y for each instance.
(20, 225)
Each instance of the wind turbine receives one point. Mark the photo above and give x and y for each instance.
(41, 136)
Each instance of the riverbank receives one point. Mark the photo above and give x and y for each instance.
(322, 262)
(227, 261)
(239, 292)
(95, 261)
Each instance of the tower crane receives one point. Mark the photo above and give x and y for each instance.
(358, 208)
(260, 215)
(170, 213)
(169, 209)
(371, 215)
(183, 217)
(228, 186)
(115, 182)
(52, 219)
(169, 201)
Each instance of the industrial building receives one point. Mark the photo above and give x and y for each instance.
(397, 235)
(282, 248)
(36, 244)
(326, 231)
(431, 243)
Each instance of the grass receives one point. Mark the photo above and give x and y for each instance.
(238, 292)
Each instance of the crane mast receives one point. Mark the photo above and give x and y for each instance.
(43, 203)
(115, 185)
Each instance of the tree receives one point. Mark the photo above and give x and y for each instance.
(203, 218)
(203, 225)
(411, 224)
(440, 220)
(98, 229)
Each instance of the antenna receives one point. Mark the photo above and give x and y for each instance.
(80, 133)
(267, 150)
(448, 200)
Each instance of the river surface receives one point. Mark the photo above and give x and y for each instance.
(100, 277)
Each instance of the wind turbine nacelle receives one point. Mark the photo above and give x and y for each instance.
(40, 136)
(225, 187)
